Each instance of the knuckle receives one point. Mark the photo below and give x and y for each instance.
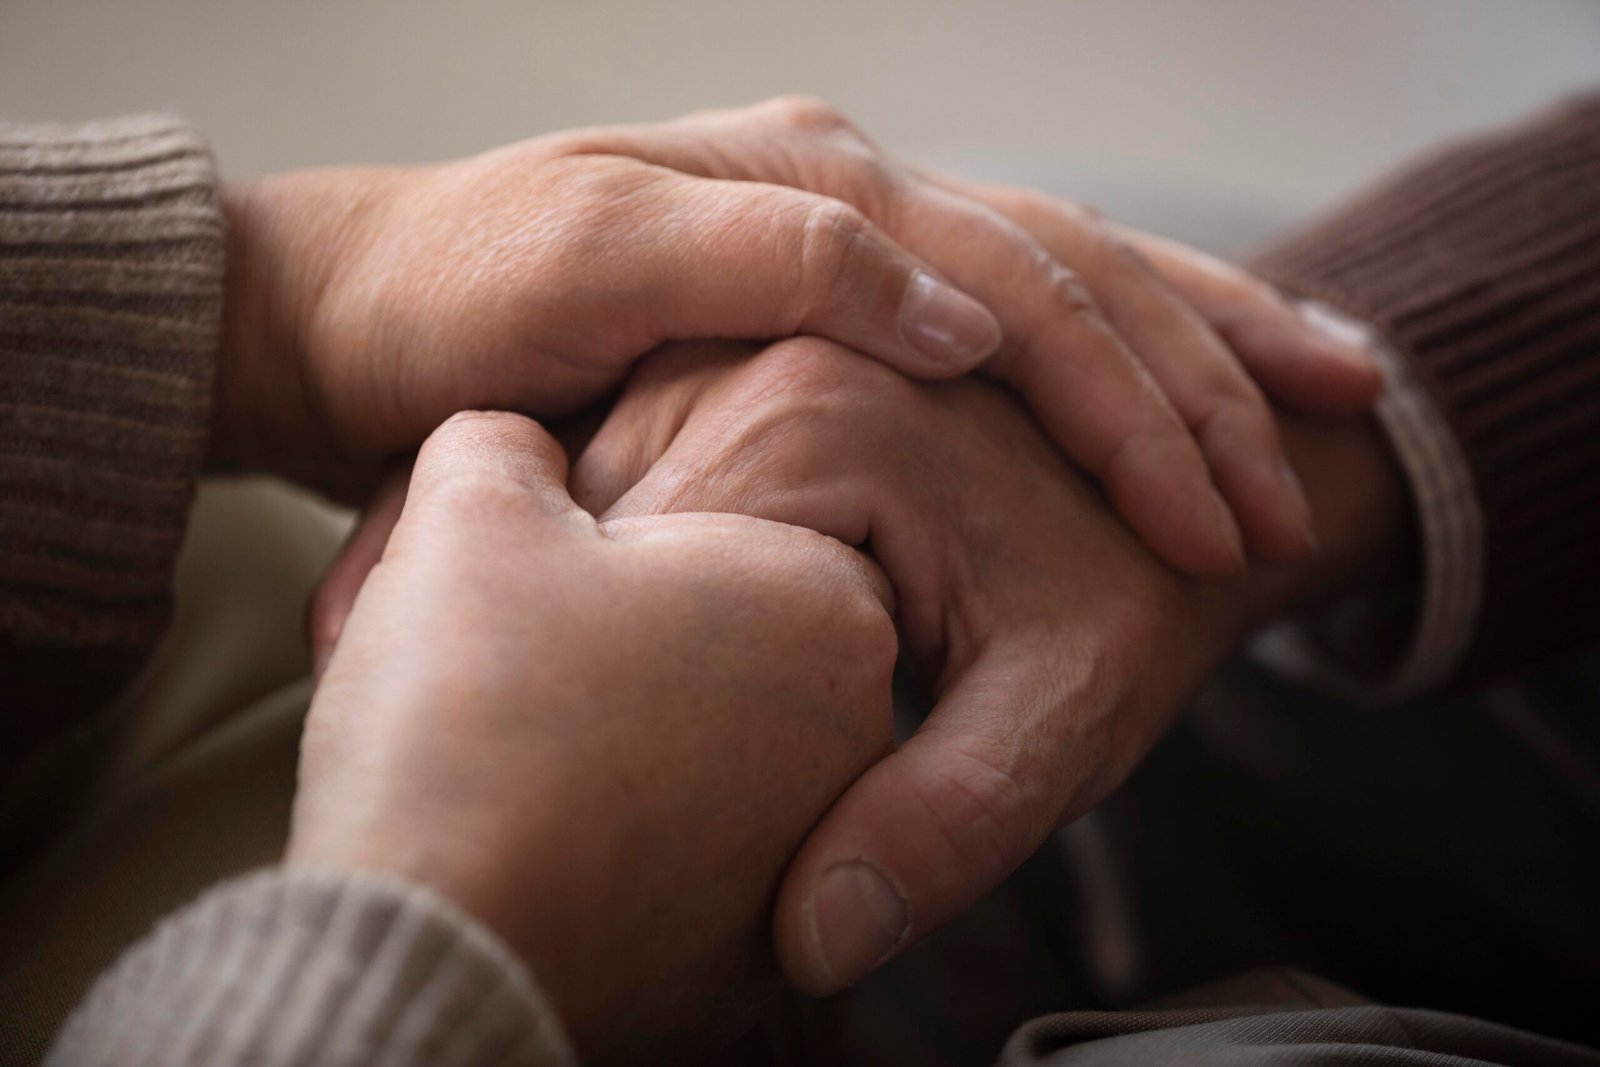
(446, 440)
(858, 632)
(858, 611)
(1071, 294)
(832, 237)
(1032, 209)
(817, 408)
(1036, 211)
(831, 152)
(1234, 388)
(876, 635)
(584, 199)
(461, 456)
(1090, 216)
(1128, 461)
(1121, 253)
(1238, 410)
(808, 369)
(982, 805)
(1105, 241)
(1041, 207)
(808, 113)
(588, 180)
(466, 428)
(874, 650)
(1223, 385)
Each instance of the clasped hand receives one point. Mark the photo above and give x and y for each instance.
(604, 715)
(719, 685)
(603, 739)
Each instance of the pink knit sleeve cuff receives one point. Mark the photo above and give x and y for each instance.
(1450, 527)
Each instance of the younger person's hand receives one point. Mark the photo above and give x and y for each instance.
(605, 740)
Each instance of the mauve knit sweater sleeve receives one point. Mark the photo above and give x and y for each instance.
(1480, 265)
(111, 252)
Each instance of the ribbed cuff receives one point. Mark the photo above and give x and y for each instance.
(111, 269)
(1480, 268)
(1449, 522)
(315, 969)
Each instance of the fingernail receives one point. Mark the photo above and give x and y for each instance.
(1348, 337)
(858, 920)
(945, 324)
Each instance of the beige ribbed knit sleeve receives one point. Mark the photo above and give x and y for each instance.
(1479, 267)
(111, 264)
(315, 969)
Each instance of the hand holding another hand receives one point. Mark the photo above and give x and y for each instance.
(366, 305)
(1058, 647)
(605, 740)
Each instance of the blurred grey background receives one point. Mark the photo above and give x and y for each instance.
(1211, 121)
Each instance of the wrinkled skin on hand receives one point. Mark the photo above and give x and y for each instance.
(366, 305)
(1059, 648)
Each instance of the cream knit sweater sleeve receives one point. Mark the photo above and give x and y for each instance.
(315, 969)
(111, 272)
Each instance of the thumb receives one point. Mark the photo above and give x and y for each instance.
(931, 828)
(466, 450)
(493, 450)
(790, 262)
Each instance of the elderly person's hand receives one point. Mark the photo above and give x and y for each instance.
(605, 740)
(365, 305)
(1057, 646)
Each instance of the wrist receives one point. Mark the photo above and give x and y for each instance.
(538, 899)
(256, 369)
(289, 239)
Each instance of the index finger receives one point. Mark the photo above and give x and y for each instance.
(335, 595)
